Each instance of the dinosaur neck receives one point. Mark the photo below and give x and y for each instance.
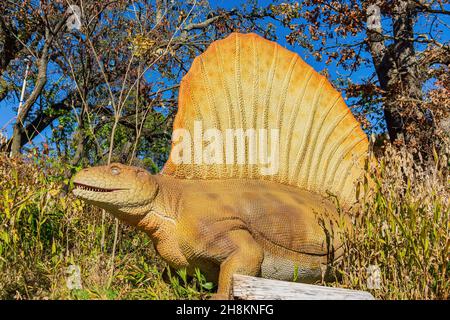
(132, 215)
(161, 215)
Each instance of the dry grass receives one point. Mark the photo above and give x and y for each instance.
(403, 229)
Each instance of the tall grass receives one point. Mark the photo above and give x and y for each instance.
(403, 230)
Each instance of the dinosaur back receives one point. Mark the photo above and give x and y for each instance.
(294, 127)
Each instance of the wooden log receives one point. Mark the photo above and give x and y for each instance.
(252, 288)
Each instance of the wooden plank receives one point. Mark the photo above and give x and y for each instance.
(252, 288)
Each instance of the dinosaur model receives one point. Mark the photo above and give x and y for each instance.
(224, 216)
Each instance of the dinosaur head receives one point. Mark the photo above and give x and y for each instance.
(117, 188)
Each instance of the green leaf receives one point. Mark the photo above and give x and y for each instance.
(208, 285)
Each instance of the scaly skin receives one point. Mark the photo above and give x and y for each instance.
(223, 227)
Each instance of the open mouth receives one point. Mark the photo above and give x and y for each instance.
(80, 186)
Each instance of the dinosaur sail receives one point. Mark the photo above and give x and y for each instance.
(256, 87)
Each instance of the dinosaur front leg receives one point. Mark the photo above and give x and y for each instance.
(245, 258)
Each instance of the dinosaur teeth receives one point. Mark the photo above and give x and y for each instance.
(92, 189)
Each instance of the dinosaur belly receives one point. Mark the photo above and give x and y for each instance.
(281, 268)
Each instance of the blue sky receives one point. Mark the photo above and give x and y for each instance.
(7, 112)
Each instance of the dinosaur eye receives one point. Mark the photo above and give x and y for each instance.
(115, 171)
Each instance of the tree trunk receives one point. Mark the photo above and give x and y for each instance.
(404, 85)
(41, 80)
(397, 69)
(16, 139)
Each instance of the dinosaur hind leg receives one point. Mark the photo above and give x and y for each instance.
(245, 258)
